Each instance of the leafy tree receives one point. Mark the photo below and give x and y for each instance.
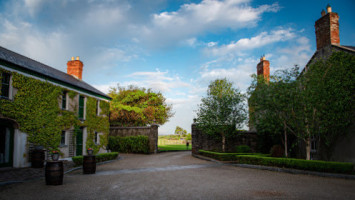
(188, 136)
(134, 106)
(180, 131)
(274, 103)
(221, 111)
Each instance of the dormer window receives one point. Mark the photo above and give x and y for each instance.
(5, 85)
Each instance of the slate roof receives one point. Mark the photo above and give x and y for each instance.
(33, 67)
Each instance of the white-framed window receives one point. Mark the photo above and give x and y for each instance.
(65, 100)
(6, 82)
(81, 107)
(97, 107)
(63, 138)
(97, 138)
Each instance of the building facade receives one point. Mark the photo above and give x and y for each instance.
(42, 106)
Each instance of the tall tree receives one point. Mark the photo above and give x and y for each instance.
(222, 110)
(180, 131)
(134, 106)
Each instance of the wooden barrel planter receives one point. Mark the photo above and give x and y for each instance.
(54, 173)
(89, 164)
(37, 159)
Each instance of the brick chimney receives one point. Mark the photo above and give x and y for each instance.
(263, 68)
(327, 29)
(75, 67)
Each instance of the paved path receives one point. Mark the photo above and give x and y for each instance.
(178, 175)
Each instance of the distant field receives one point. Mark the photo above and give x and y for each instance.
(178, 147)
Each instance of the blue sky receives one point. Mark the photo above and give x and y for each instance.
(175, 47)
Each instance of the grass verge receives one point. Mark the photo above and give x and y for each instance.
(175, 147)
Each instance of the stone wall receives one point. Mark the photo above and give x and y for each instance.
(205, 142)
(150, 131)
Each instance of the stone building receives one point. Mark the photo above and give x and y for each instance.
(33, 94)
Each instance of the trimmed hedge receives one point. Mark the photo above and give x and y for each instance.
(129, 144)
(226, 156)
(311, 165)
(242, 149)
(78, 160)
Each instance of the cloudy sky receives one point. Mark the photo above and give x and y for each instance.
(173, 46)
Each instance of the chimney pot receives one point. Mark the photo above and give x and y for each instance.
(72, 58)
(329, 9)
(323, 13)
(77, 58)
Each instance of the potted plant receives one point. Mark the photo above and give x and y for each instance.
(55, 155)
(90, 151)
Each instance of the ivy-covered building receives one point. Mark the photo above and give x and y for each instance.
(42, 106)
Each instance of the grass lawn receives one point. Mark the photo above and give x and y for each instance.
(175, 147)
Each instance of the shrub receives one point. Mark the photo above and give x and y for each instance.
(78, 160)
(129, 144)
(243, 149)
(312, 165)
(225, 156)
(277, 151)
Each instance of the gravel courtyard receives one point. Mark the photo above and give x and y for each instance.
(178, 175)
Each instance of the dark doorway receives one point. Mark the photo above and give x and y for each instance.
(79, 141)
(6, 144)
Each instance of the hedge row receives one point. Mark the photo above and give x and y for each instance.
(78, 160)
(129, 144)
(226, 156)
(312, 165)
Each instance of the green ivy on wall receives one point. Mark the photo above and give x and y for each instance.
(37, 111)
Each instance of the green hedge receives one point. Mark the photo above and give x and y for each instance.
(312, 165)
(78, 160)
(226, 156)
(129, 144)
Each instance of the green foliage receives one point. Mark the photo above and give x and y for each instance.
(180, 131)
(226, 156)
(221, 111)
(78, 160)
(188, 136)
(175, 147)
(312, 165)
(129, 144)
(94, 124)
(36, 109)
(243, 149)
(135, 106)
(319, 103)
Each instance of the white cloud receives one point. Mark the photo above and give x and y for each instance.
(258, 41)
(194, 19)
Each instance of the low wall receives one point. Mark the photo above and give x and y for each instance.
(150, 131)
(205, 142)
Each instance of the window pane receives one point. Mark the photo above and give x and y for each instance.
(5, 84)
(81, 107)
(64, 100)
(62, 141)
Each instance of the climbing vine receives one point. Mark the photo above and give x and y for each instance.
(36, 109)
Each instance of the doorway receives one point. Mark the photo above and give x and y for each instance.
(6, 144)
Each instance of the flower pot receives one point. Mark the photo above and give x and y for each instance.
(90, 152)
(55, 156)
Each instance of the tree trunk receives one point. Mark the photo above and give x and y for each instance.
(285, 143)
(308, 148)
(223, 143)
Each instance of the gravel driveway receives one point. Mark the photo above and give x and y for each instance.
(178, 175)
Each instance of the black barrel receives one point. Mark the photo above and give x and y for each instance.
(89, 164)
(37, 158)
(54, 173)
